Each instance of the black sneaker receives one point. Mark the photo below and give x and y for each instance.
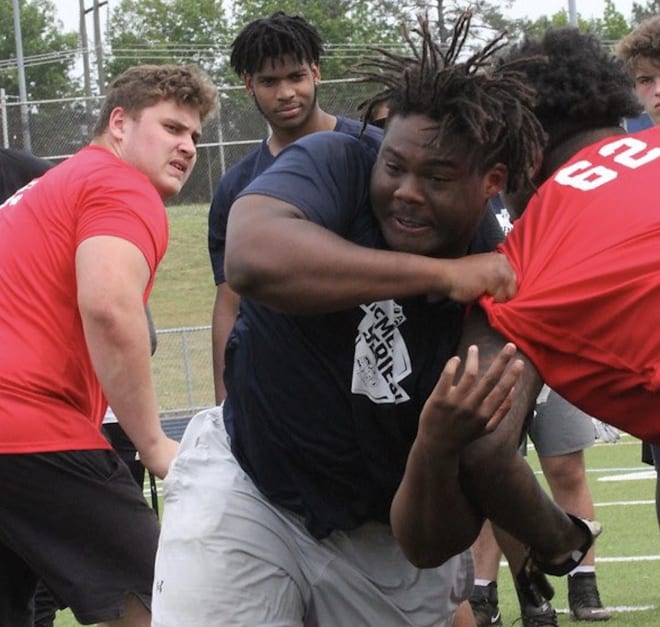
(583, 598)
(538, 616)
(484, 605)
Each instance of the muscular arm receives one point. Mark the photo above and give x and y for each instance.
(225, 311)
(495, 478)
(278, 257)
(430, 515)
(448, 489)
(112, 274)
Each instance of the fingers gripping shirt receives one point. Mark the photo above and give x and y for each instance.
(586, 256)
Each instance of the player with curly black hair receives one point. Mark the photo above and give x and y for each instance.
(585, 248)
(265, 40)
(278, 59)
(580, 86)
(352, 266)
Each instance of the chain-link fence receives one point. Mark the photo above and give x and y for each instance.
(183, 371)
(58, 128)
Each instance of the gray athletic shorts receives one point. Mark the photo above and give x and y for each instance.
(228, 557)
(559, 428)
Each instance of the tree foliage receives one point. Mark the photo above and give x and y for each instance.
(167, 31)
(49, 53)
(641, 11)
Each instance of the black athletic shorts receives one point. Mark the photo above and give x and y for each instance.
(77, 520)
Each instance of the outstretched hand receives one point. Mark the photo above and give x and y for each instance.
(462, 408)
(475, 275)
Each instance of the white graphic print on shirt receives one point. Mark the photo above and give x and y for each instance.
(381, 356)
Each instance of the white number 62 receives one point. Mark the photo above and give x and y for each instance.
(629, 152)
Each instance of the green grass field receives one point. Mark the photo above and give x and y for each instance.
(184, 291)
(628, 552)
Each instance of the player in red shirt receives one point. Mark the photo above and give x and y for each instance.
(585, 249)
(79, 248)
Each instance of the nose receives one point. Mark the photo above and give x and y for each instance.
(408, 189)
(188, 147)
(657, 85)
(285, 91)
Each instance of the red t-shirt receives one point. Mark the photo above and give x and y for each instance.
(587, 256)
(50, 398)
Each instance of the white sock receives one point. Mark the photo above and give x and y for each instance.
(582, 569)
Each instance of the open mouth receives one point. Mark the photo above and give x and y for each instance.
(409, 224)
(177, 165)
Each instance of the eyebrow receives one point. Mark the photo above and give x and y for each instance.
(183, 127)
(435, 161)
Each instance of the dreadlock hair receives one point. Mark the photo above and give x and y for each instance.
(642, 43)
(484, 106)
(272, 38)
(580, 87)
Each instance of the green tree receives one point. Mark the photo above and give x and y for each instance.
(642, 11)
(49, 53)
(167, 31)
(613, 25)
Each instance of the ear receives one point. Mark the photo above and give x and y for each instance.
(495, 180)
(117, 122)
(316, 73)
(249, 83)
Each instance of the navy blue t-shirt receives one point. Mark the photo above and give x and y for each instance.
(323, 409)
(247, 169)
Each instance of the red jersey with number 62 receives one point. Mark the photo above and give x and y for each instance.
(587, 256)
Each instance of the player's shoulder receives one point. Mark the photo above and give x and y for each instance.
(369, 134)
(244, 164)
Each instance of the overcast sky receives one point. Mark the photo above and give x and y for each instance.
(68, 10)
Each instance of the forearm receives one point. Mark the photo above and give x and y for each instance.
(495, 477)
(119, 346)
(430, 516)
(304, 268)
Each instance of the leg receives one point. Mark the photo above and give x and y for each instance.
(487, 554)
(567, 478)
(655, 453)
(223, 552)
(561, 432)
(533, 589)
(135, 615)
(17, 586)
(464, 616)
(45, 606)
(84, 499)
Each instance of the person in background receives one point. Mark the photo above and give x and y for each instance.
(640, 51)
(18, 168)
(278, 58)
(79, 248)
(560, 433)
